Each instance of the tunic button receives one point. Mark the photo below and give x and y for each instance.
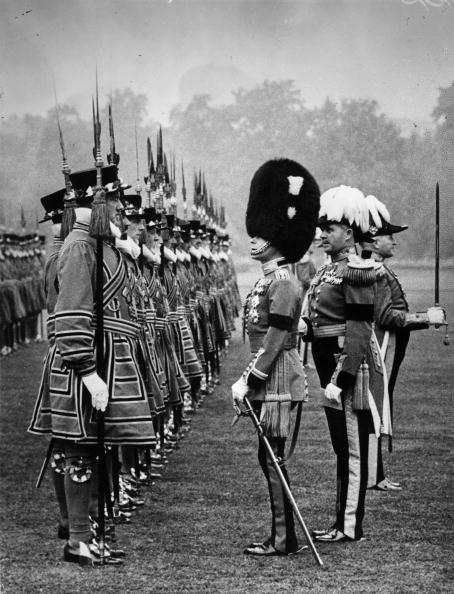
(316, 315)
(319, 290)
(315, 323)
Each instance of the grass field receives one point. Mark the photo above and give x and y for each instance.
(190, 535)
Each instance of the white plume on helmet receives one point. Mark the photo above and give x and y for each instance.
(377, 211)
(344, 203)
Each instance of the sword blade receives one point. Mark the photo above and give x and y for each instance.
(437, 244)
(283, 481)
(45, 463)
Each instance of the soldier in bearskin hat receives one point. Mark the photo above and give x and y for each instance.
(280, 219)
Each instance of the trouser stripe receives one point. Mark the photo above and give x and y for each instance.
(354, 470)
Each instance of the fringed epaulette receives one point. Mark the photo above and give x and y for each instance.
(359, 273)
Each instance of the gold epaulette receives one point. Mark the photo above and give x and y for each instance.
(359, 272)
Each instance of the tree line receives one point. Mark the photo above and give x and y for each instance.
(350, 142)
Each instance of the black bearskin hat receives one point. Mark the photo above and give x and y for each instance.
(283, 206)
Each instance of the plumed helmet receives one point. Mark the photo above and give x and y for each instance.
(283, 206)
(379, 219)
(345, 205)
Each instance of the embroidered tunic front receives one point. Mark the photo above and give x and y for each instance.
(271, 315)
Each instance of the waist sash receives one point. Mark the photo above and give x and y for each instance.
(328, 331)
(119, 326)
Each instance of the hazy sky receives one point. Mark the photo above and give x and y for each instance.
(396, 51)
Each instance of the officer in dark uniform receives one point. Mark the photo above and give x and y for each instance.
(339, 321)
(280, 219)
(393, 320)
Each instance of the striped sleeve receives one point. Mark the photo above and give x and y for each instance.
(74, 308)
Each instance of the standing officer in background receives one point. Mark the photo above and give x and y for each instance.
(281, 217)
(305, 271)
(339, 322)
(393, 320)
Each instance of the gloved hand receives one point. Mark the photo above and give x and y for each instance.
(436, 316)
(302, 327)
(98, 391)
(239, 390)
(332, 392)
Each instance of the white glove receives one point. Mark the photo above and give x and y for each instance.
(239, 390)
(98, 391)
(302, 327)
(436, 316)
(332, 392)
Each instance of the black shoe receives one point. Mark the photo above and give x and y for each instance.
(116, 552)
(299, 550)
(335, 536)
(267, 550)
(107, 558)
(387, 485)
(322, 531)
(262, 550)
(122, 517)
(137, 501)
(82, 556)
(127, 507)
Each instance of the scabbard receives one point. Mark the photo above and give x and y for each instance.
(45, 463)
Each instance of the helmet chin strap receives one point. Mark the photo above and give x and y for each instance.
(256, 251)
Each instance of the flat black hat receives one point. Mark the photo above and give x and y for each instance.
(185, 228)
(152, 217)
(171, 221)
(132, 200)
(85, 178)
(53, 204)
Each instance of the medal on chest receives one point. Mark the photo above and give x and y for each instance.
(251, 313)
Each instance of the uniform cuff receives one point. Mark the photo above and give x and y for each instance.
(254, 382)
(345, 380)
(87, 370)
(309, 336)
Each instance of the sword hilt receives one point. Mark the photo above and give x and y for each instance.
(239, 412)
(446, 340)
